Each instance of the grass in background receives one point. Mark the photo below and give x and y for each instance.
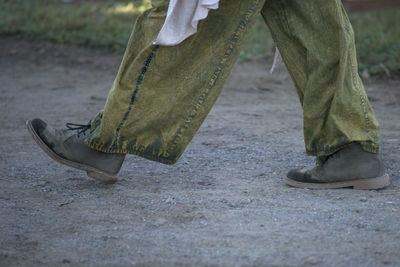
(101, 24)
(378, 42)
(108, 24)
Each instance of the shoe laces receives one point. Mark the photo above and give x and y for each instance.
(79, 128)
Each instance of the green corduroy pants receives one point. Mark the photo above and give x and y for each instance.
(161, 95)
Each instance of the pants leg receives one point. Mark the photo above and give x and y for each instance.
(161, 95)
(316, 41)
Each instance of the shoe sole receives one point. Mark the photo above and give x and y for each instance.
(361, 184)
(91, 171)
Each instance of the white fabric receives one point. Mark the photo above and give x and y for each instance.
(277, 60)
(182, 19)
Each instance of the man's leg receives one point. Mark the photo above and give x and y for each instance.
(160, 96)
(316, 41)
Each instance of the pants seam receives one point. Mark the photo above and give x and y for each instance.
(133, 98)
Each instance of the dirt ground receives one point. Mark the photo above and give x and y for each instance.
(223, 203)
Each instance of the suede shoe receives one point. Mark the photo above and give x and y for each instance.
(349, 167)
(67, 147)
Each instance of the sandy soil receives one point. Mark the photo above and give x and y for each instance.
(223, 203)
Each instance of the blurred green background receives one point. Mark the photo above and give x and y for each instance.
(107, 25)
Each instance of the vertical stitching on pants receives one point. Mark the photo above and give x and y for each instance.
(138, 83)
(236, 36)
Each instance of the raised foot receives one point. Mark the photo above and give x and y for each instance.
(73, 152)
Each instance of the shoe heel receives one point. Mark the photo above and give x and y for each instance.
(370, 184)
(102, 177)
